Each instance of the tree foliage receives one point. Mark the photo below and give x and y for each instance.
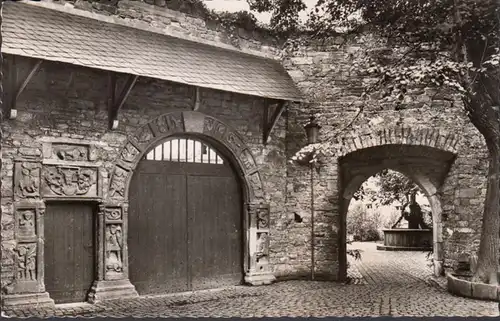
(364, 225)
(391, 186)
(449, 45)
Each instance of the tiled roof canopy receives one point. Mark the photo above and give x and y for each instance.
(37, 32)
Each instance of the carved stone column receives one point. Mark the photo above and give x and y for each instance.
(112, 255)
(259, 271)
(28, 288)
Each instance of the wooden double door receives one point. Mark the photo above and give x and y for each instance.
(185, 227)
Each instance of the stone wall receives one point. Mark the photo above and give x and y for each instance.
(323, 73)
(155, 16)
(66, 102)
(69, 102)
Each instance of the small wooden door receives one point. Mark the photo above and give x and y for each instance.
(185, 222)
(69, 250)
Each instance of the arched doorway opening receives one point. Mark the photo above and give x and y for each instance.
(390, 226)
(185, 218)
(427, 166)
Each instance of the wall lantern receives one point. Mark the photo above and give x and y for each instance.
(312, 130)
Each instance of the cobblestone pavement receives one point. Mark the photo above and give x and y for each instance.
(384, 283)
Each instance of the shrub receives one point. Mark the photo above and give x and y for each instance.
(363, 225)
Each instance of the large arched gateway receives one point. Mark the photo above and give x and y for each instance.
(185, 219)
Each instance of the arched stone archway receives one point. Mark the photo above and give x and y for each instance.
(424, 155)
(114, 211)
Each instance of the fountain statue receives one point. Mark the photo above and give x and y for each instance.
(418, 235)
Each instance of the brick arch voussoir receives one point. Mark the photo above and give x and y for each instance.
(400, 135)
(178, 123)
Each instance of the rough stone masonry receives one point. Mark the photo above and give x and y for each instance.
(430, 140)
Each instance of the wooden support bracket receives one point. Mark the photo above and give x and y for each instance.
(270, 121)
(196, 104)
(14, 88)
(116, 103)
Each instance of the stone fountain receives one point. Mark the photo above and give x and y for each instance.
(417, 237)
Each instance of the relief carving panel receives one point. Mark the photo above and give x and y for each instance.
(27, 180)
(113, 214)
(247, 161)
(262, 218)
(262, 251)
(143, 135)
(170, 123)
(70, 152)
(26, 223)
(69, 181)
(26, 262)
(220, 131)
(129, 153)
(118, 182)
(255, 184)
(214, 128)
(114, 245)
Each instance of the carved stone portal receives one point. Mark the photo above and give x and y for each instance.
(27, 180)
(26, 262)
(114, 245)
(70, 181)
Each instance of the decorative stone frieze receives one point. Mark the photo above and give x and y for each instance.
(70, 181)
(175, 123)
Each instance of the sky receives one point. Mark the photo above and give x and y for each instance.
(238, 5)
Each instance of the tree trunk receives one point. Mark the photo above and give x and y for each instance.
(487, 264)
(487, 121)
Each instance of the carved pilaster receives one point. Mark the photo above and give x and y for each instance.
(113, 243)
(28, 287)
(112, 255)
(259, 270)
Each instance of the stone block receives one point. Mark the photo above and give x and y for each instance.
(28, 300)
(108, 290)
(484, 291)
(468, 192)
(458, 286)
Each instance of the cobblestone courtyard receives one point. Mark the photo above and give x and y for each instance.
(383, 283)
